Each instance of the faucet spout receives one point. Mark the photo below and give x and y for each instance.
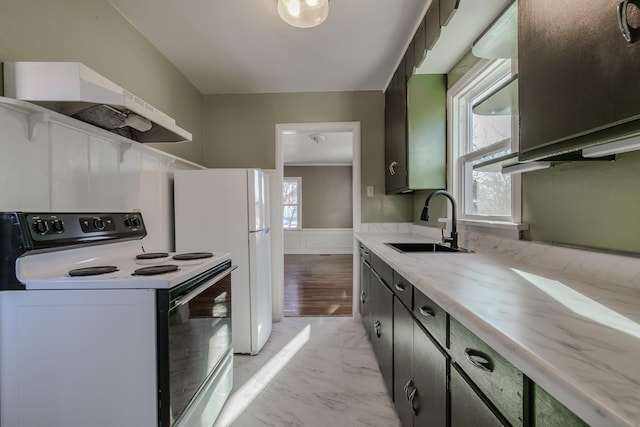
(453, 238)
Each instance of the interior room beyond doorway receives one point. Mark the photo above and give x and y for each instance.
(318, 222)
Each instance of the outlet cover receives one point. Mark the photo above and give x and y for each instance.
(369, 190)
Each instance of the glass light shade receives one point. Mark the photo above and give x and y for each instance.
(303, 13)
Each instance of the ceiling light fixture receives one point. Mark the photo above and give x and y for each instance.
(303, 13)
(318, 137)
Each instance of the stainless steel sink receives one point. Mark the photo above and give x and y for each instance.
(424, 247)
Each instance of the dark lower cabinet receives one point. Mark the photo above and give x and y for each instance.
(430, 378)
(382, 328)
(467, 408)
(548, 412)
(437, 371)
(420, 373)
(365, 295)
(403, 363)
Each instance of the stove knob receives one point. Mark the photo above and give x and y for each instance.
(136, 222)
(41, 226)
(98, 223)
(57, 226)
(127, 222)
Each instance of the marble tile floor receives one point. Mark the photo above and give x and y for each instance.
(313, 372)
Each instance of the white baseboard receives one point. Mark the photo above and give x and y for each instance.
(319, 241)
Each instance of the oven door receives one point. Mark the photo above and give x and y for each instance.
(194, 336)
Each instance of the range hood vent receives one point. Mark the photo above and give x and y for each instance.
(75, 90)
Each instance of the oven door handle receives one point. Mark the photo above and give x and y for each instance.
(200, 289)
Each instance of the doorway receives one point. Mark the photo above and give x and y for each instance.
(319, 276)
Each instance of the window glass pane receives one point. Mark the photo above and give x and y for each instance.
(487, 130)
(290, 192)
(489, 193)
(290, 217)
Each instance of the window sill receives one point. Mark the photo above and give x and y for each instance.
(498, 225)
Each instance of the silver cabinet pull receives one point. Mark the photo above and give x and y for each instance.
(362, 297)
(478, 359)
(628, 32)
(412, 398)
(392, 167)
(377, 327)
(427, 311)
(401, 287)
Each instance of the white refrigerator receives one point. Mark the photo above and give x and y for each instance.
(228, 210)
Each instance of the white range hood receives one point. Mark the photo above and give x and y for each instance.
(75, 90)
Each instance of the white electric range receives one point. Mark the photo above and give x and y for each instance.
(95, 331)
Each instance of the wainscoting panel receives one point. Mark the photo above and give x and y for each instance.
(319, 241)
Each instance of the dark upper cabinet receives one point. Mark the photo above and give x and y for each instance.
(418, 161)
(577, 76)
(395, 125)
(447, 9)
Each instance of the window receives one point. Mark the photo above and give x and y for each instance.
(484, 117)
(292, 200)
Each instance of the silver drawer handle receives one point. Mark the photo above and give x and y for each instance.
(478, 359)
(363, 298)
(392, 167)
(401, 287)
(427, 311)
(377, 327)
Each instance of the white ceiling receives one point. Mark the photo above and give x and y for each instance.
(242, 46)
(331, 148)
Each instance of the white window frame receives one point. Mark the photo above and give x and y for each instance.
(298, 181)
(485, 74)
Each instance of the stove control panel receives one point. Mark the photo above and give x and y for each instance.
(62, 229)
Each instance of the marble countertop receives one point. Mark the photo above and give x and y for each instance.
(576, 336)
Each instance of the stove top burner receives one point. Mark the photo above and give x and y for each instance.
(155, 269)
(152, 255)
(192, 255)
(92, 271)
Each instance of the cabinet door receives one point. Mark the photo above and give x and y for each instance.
(403, 383)
(365, 295)
(573, 79)
(467, 408)
(396, 133)
(382, 329)
(427, 131)
(447, 9)
(430, 381)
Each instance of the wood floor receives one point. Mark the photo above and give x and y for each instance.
(318, 285)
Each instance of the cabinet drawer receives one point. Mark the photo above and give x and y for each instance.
(498, 379)
(382, 269)
(365, 253)
(431, 316)
(403, 289)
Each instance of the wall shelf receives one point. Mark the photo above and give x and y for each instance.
(38, 116)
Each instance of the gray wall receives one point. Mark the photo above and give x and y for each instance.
(240, 132)
(93, 32)
(327, 195)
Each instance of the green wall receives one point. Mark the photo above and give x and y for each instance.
(93, 32)
(590, 204)
(240, 132)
